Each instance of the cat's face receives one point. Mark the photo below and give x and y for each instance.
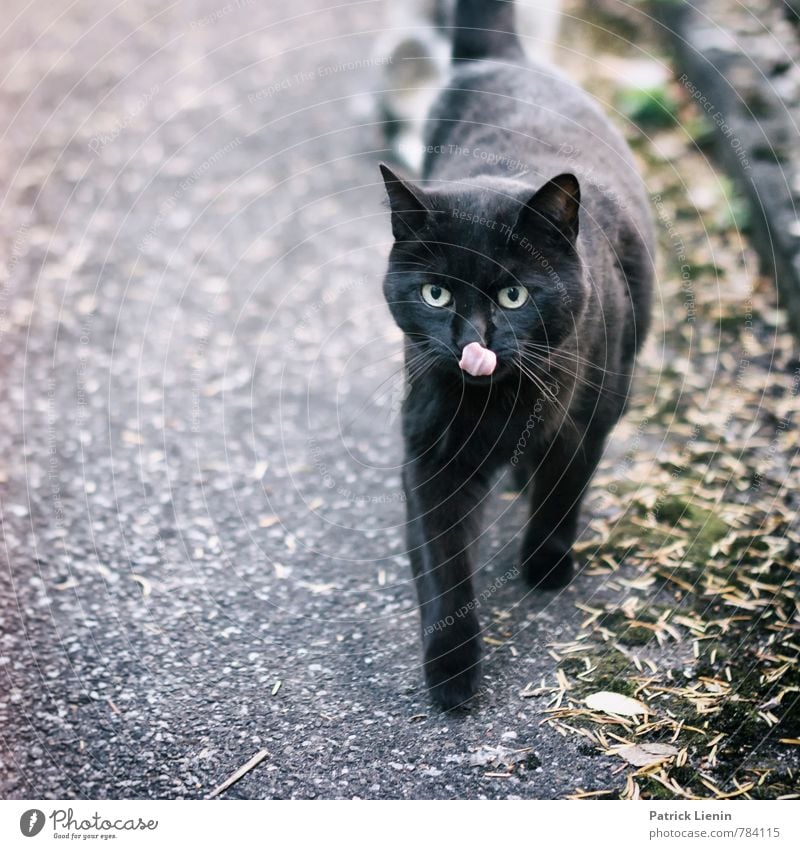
(476, 265)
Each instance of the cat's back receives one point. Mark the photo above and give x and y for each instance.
(517, 118)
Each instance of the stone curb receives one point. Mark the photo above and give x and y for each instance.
(739, 80)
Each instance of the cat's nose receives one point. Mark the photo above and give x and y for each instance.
(472, 329)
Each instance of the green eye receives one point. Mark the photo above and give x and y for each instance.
(512, 297)
(436, 296)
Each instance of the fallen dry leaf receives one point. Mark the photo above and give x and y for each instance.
(268, 521)
(616, 703)
(645, 753)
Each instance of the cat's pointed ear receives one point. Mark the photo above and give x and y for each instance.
(559, 203)
(407, 203)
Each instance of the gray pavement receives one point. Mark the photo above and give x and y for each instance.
(201, 513)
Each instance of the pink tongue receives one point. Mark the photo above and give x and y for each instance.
(477, 360)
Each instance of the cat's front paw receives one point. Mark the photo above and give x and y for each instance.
(452, 667)
(547, 565)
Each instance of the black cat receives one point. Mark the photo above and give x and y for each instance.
(523, 298)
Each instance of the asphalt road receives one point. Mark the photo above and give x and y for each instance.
(202, 519)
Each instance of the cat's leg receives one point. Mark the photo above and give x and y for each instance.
(522, 471)
(443, 529)
(560, 484)
(521, 478)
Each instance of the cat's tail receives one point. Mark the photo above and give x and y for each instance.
(484, 29)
